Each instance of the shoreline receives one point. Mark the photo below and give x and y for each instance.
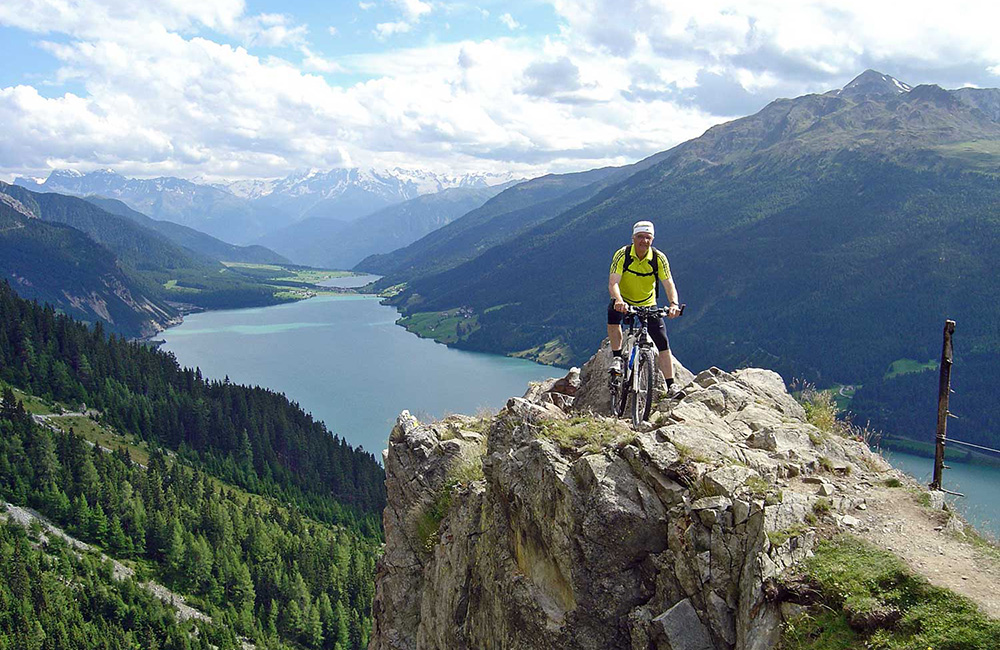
(184, 309)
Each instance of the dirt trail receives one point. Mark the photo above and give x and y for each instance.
(930, 540)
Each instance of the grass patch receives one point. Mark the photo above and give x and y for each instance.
(585, 432)
(687, 453)
(449, 326)
(757, 485)
(96, 433)
(892, 482)
(983, 155)
(33, 405)
(429, 521)
(779, 537)
(428, 524)
(821, 411)
(825, 413)
(870, 599)
(822, 507)
(172, 285)
(909, 366)
(553, 353)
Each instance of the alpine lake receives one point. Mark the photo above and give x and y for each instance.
(343, 359)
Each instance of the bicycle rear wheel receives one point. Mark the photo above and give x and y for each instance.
(642, 399)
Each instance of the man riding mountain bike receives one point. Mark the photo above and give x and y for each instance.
(634, 271)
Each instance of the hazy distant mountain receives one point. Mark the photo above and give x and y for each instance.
(335, 244)
(207, 209)
(825, 236)
(347, 194)
(190, 238)
(243, 211)
(502, 218)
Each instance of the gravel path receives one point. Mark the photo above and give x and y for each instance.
(930, 540)
(932, 544)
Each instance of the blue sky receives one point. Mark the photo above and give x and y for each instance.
(260, 88)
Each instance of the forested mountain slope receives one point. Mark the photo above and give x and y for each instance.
(825, 236)
(254, 569)
(58, 264)
(252, 437)
(190, 238)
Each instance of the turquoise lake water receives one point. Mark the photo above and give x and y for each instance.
(979, 484)
(343, 359)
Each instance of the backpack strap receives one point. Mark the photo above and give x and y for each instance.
(656, 272)
(655, 264)
(628, 258)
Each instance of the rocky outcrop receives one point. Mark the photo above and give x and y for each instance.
(550, 526)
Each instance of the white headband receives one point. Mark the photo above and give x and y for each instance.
(642, 226)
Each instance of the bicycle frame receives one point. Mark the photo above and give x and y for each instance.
(636, 340)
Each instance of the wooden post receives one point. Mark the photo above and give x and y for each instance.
(944, 389)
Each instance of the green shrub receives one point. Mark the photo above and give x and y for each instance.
(870, 599)
(588, 433)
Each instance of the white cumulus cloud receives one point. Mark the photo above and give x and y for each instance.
(509, 21)
(157, 90)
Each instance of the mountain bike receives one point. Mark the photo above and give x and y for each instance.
(634, 387)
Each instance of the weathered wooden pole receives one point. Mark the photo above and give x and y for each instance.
(944, 389)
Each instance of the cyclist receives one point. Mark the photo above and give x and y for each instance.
(634, 271)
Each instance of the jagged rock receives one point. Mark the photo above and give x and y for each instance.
(584, 535)
(725, 481)
(764, 439)
(593, 396)
(681, 628)
(850, 522)
(569, 384)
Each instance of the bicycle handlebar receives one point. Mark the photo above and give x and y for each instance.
(655, 312)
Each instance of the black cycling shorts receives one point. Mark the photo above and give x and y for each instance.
(657, 329)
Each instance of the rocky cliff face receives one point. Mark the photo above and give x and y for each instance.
(552, 526)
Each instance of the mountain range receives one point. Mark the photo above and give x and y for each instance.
(825, 236)
(118, 267)
(328, 243)
(244, 211)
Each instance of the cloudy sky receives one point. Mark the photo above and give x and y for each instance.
(240, 89)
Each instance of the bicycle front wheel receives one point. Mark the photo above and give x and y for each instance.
(642, 393)
(615, 390)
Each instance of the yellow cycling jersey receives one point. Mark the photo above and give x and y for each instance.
(637, 285)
